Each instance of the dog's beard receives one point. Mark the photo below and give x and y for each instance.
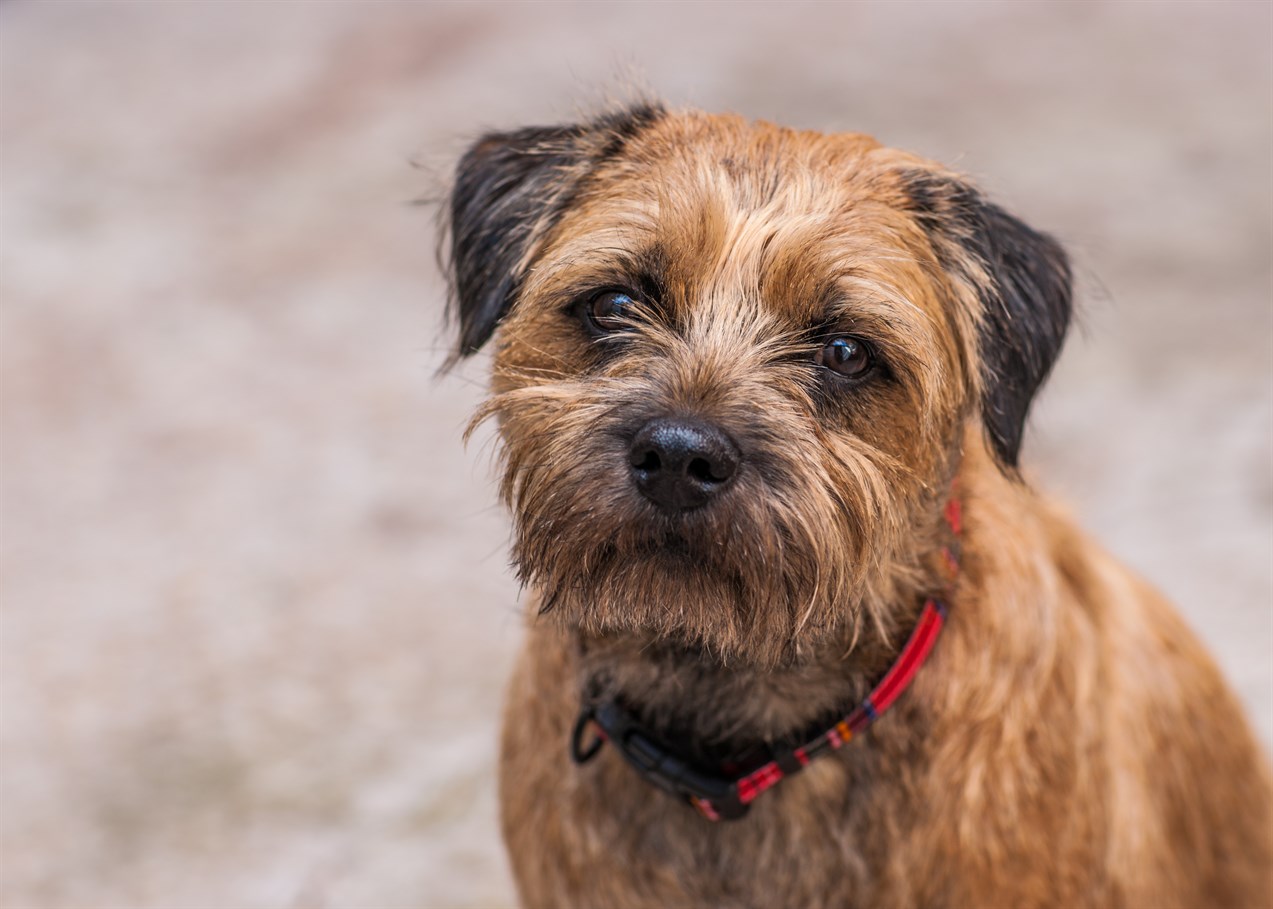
(789, 560)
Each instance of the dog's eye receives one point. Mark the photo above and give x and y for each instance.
(610, 310)
(850, 357)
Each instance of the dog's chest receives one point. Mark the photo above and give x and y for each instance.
(600, 835)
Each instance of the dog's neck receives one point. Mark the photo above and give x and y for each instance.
(709, 707)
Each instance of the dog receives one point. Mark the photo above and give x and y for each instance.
(808, 635)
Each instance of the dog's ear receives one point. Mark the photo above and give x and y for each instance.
(1022, 278)
(509, 190)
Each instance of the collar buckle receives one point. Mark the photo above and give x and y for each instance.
(714, 796)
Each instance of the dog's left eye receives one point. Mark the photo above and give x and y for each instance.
(850, 357)
(610, 310)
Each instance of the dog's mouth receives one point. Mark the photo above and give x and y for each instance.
(683, 551)
(661, 556)
(698, 581)
(668, 545)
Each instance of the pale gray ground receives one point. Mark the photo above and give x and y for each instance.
(256, 611)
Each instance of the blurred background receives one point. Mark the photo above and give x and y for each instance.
(256, 609)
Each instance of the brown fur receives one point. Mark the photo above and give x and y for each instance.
(1068, 743)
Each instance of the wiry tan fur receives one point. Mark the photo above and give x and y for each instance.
(1067, 744)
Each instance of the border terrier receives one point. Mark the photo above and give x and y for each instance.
(807, 634)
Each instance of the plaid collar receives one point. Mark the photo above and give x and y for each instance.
(726, 794)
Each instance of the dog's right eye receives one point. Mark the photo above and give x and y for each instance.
(610, 311)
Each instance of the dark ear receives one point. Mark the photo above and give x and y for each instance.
(1022, 278)
(510, 188)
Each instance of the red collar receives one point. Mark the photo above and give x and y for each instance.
(719, 796)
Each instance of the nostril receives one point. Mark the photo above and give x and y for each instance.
(700, 469)
(647, 461)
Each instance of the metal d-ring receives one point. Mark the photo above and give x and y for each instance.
(578, 754)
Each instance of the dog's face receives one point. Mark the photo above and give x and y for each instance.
(734, 367)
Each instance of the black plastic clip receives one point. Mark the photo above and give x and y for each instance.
(656, 763)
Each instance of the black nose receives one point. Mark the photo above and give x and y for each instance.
(680, 464)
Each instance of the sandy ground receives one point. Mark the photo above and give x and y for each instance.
(256, 610)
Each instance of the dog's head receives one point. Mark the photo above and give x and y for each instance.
(734, 365)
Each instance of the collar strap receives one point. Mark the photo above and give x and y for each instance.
(719, 797)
